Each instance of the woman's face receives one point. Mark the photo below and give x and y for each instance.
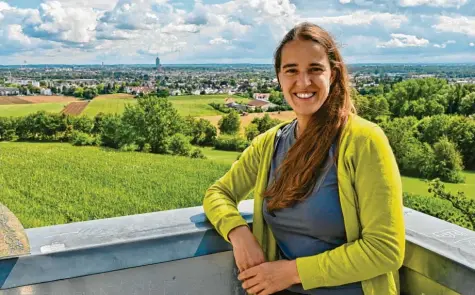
(305, 76)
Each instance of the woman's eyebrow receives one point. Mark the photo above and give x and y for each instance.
(313, 64)
(289, 66)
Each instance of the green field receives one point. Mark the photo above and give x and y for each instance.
(108, 104)
(190, 105)
(198, 105)
(53, 183)
(19, 110)
(56, 183)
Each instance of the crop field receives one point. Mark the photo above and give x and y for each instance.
(198, 105)
(75, 108)
(54, 183)
(20, 110)
(5, 100)
(108, 104)
(48, 99)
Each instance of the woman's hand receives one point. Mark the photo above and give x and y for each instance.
(246, 249)
(270, 277)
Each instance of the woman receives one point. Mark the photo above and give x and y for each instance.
(328, 212)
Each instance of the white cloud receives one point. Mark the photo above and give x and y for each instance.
(435, 3)
(345, 1)
(218, 41)
(66, 24)
(402, 40)
(444, 45)
(472, 44)
(364, 18)
(460, 24)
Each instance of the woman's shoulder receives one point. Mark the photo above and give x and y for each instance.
(360, 129)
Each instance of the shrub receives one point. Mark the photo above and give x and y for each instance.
(448, 164)
(79, 138)
(110, 130)
(230, 123)
(180, 145)
(438, 208)
(251, 131)
(231, 143)
(197, 154)
(7, 128)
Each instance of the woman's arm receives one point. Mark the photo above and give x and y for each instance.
(382, 244)
(221, 199)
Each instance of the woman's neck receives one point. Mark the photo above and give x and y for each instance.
(302, 122)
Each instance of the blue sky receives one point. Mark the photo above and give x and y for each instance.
(237, 31)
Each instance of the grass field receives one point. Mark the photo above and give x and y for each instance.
(246, 120)
(198, 105)
(56, 183)
(19, 110)
(53, 183)
(108, 104)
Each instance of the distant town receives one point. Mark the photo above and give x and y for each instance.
(88, 81)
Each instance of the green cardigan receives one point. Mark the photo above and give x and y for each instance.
(371, 200)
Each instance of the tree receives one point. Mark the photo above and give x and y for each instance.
(79, 92)
(276, 97)
(201, 131)
(179, 144)
(467, 104)
(151, 121)
(447, 162)
(265, 123)
(230, 123)
(251, 131)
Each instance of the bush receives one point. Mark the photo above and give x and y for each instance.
(448, 164)
(79, 138)
(231, 143)
(197, 154)
(110, 130)
(220, 107)
(265, 123)
(230, 124)
(7, 129)
(201, 131)
(438, 208)
(179, 145)
(42, 126)
(82, 124)
(251, 131)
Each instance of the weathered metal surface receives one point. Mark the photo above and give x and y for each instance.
(206, 275)
(178, 252)
(13, 238)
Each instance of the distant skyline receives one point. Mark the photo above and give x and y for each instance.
(238, 31)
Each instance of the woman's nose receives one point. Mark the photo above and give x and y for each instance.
(303, 80)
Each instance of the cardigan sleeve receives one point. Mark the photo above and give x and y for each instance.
(221, 199)
(380, 248)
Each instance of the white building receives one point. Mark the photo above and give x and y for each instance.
(4, 91)
(46, 91)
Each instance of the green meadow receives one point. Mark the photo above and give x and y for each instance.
(20, 110)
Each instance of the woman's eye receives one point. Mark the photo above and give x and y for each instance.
(291, 71)
(316, 70)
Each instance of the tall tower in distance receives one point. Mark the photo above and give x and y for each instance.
(157, 63)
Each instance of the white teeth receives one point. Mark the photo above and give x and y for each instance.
(304, 95)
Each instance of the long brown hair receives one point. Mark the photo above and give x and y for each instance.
(301, 167)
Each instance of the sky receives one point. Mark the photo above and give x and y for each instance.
(236, 31)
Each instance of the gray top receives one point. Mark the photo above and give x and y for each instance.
(314, 225)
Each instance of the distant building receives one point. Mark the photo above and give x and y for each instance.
(261, 96)
(4, 91)
(46, 91)
(264, 105)
(138, 90)
(35, 83)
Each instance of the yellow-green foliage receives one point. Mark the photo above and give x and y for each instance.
(46, 184)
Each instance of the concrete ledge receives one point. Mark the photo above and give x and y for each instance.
(440, 256)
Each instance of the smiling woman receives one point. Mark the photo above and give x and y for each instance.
(328, 212)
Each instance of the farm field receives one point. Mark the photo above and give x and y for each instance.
(54, 183)
(198, 105)
(108, 104)
(6, 100)
(48, 99)
(246, 120)
(19, 110)
(75, 108)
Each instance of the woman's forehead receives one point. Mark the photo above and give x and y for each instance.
(303, 53)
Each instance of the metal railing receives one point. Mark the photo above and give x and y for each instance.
(178, 252)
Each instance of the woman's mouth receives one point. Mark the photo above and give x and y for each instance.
(304, 95)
